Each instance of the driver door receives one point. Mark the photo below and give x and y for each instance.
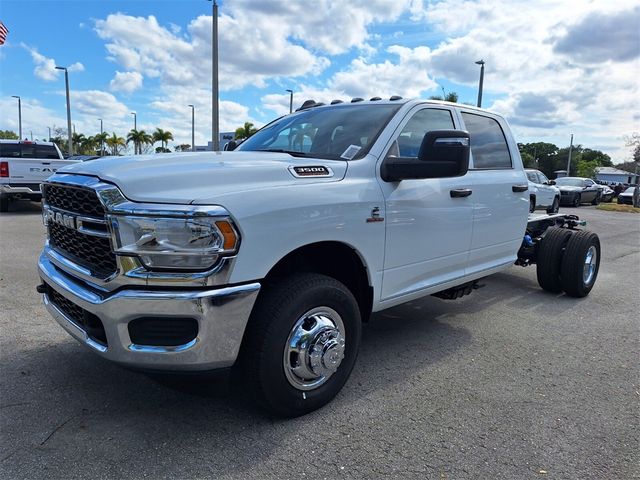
(428, 231)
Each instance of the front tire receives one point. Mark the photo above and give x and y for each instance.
(577, 200)
(301, 343)
(555, 206)
(580, 264)
(532, 204)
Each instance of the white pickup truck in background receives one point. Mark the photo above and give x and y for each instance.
(24, 166)
(269, 258)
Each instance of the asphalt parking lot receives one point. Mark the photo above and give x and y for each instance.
(510, 382)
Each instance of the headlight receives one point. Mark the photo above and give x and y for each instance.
(177, 243)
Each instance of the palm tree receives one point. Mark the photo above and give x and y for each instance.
(162, 136)
(114, 142)
(245, 131)
(87, 146)
(77, 139)
(139, 138)
(100, 140)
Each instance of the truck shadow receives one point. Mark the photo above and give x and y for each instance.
(23, 207)
(131, 421)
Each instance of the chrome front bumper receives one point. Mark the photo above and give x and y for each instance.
(222, 315)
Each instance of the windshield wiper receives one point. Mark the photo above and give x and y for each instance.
(293, 153)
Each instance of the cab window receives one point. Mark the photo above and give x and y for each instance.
(488, 143)
(408, 142)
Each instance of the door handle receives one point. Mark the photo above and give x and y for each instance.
(460, 192)
(519, 188)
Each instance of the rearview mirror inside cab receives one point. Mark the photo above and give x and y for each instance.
(443, 153)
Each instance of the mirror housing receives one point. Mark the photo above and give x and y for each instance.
(551, 182)
(443, 153)
(231, 145)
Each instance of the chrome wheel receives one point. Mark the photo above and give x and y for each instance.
(314, 349)
(590, 263)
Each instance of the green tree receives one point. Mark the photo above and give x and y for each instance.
(162, 136)
(245, 131)
(8, 135)
(100, 139)
(183, 147)
(139, 138)
(542, 156)
(114, 142)
(587, 168)
(449, 97)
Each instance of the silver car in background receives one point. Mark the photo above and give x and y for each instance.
(543, 192)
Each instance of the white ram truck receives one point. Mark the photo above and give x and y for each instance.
(269, 258)
(23, 166)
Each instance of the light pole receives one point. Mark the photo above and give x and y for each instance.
(569, 159)
(31, 135)
(290, 100)
(193, 128)
(101, 139)
(66, 81)
(481, 63)
(215, 129)
(49, 133)
(444, 95)
(19, 116)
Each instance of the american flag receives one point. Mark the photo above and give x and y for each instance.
(3, 33)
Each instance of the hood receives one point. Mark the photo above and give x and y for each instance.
(185, 177)
(569, 188)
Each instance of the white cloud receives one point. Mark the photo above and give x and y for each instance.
(126, 82)
(45, 67)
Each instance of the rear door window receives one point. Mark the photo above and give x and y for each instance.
(46, 151)
(488, 143)
(9, 150)
(532, 177)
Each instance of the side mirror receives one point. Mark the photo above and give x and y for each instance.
(443, 153)
(551, 182)
(231, 145)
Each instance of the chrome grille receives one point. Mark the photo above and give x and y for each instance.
(77, 200)
(89, 251)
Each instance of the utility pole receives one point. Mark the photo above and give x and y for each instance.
(215, 129)
(193, 128)
(31, 135)
(66, 81)
(290, 100)
(49, 133)
(19, 116)
(481, 63)
(444, 95)
(569, 159)
(101, 139)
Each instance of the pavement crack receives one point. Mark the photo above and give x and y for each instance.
(56, 429)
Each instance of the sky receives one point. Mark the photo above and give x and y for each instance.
(553, 68)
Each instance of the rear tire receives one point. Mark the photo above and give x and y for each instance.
(555, 206)
(284, 379)
(532, 204)
(580, 264)
(4, 204)
(550, 253)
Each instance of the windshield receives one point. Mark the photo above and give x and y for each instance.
(336, 132)
(570, 182)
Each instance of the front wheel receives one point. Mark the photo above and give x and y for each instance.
(555, 206)
(532, 204)
(577, 200)
(301, 343)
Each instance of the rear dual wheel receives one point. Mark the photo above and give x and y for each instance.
(568, 261)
